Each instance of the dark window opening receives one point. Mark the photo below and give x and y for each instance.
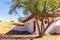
(45, 22)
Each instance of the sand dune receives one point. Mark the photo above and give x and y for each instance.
(7, 26)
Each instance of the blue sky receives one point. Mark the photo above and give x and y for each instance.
(4, 12)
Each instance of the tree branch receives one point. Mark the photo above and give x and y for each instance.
(49, 25)
(39, 19)
(38, 26)
(17, 13)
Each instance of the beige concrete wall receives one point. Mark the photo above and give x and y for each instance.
(55, 27)
(20, 28)
(29, 25)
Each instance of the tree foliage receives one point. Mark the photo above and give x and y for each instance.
(21, 19)
(0, 20)
(11, 21)
(34, 6)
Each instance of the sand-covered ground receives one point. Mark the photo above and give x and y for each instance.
(7, 26)
(49, 37)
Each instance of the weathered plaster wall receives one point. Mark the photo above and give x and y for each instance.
(20, 28)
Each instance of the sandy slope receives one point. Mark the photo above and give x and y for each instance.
(6, 27)
(49, 37)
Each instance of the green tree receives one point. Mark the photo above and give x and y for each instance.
(38, 8)
(0, 20)
(21, 19)
(11, 21)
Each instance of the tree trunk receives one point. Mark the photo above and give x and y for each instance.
(17, 13)
(42, 26)
(38, 26)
